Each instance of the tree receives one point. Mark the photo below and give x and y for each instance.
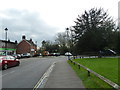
(62, 41)
(93, 30)
(50, 46)
(65, 41)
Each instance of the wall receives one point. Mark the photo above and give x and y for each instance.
(11, 47)
(23, 47)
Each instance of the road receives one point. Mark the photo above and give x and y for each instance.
(28, 73)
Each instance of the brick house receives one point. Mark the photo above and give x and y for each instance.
(7, 46)
(26, 46)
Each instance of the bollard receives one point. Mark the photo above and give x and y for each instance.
(79, 66)
(88, 73)
(69, 57)
(73, 62)
(74, 57)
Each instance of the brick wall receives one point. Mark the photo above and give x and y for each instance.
(35, 49)
(23, 47)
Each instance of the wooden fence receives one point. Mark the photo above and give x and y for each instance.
(114, 85)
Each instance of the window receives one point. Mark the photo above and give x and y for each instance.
(11, 58)
(6, 58)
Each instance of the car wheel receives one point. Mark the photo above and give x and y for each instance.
(5, 67)
(18, 64)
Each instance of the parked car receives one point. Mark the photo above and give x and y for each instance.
(68, 54)
(25, 55)
(108, 52)
(14, 55)
(57, 54)
(36, 55)
(51, 54)
(18, 56)
(8, 61)
(54, 54)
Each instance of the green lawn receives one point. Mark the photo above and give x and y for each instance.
(107, 67)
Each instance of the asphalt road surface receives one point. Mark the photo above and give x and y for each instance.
(28, 73)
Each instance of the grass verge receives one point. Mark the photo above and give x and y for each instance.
(92, 81)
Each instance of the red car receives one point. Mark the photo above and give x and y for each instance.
(8, 61)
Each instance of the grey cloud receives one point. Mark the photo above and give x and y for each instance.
(28, 23)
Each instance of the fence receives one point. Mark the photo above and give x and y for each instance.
(114, 85)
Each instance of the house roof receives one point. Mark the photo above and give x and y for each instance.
(28, 41)
(31, 42)
(8, 41)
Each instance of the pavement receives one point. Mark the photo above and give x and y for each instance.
(63, 76)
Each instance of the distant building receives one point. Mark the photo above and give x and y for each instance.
(26, 46)
(10, 49)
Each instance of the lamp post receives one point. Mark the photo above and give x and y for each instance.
(36, 47)
(6, 41)
(67, 30)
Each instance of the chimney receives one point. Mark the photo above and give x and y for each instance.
(15, 41)
(23, 37)
(30, 40)
(8, 40)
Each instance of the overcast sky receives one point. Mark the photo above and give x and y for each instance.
(43, 19)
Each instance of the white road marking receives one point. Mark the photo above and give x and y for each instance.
(43, 79)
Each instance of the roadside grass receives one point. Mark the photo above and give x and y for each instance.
(107, 67)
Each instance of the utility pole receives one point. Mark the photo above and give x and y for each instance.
(6, 41)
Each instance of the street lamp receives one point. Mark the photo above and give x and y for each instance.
(6, 41)
(67, 30)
